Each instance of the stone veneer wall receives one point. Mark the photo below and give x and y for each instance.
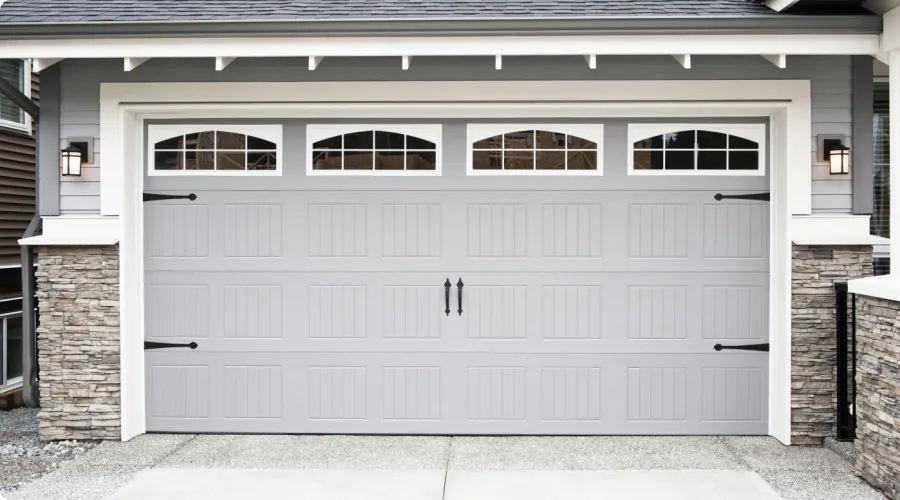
(78, 342)
(815, 269)
(878, 393)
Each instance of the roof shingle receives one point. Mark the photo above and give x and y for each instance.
(91, 11)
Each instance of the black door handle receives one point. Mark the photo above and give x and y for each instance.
(751, 196)
(160, 197)
(447, 286)
(163, 345)
(748, 347)
(459, 287)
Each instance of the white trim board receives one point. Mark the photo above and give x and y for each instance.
(416, 46)
(785, 102)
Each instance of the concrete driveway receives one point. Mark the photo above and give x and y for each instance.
(179, 467)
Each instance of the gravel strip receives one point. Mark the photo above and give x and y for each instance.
(24, 457)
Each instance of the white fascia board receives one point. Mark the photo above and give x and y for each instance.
(76, 231)
(830, 44)
(890, 38)
(780, 5)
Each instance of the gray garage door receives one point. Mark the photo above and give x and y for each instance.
(577, 305)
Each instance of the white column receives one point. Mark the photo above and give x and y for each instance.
(894, 84)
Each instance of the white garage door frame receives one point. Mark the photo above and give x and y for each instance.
(125, 106)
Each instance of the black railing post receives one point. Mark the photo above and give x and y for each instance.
(844, 415)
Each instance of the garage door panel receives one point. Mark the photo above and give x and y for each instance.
(458, 393)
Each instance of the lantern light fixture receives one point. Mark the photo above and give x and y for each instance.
(838, 156)
(71, 159)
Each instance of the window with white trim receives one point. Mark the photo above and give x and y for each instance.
(370, 149)
(695, 149)
(221, 150)
(530, 149)
(16, 72)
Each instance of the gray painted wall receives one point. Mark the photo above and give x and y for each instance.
(80, 91)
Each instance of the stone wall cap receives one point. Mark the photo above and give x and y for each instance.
(882, 287)
(69, 240)
(820, 239)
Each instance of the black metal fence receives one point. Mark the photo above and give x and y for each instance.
(845, 307)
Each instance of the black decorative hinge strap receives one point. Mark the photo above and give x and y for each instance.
(148, 346)
(751, 196)
(158, 197)
(747, 347)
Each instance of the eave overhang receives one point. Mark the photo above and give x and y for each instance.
(773, 24)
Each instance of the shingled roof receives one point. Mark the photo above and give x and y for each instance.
(142, 11)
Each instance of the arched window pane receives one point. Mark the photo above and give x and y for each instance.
(711, 140)
(200, 140)
(359, 140)
(684, 139)
(173, 143)
(389, 140)
(255, 143)
(229, 140)
(579, 143)
(519, 140)
(735, 142)
(495, 142)
(335, 142)
(549, 140)
(416, 143)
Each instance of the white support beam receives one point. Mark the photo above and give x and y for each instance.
(314, 62)
(223, 62)
(890, 37)
(473, 46)
(134, 62)
(779, 60)
(591, 61)
(405, 62)
(780, 5)
(894, 113)
(40, 64)
(684, 60)
(498, 62)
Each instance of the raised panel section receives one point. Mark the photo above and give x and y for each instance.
(572, 230)
(657, 393)
(497, 231)
(178, 311)
(337, 393)
(253, 312)
(657, 312)
(412, 312)
(571, 312)
(179, 391)
(337, 231)
(337, 312)
(733, 312)
(253, 392)
(732, 394)
(253, 230)
(733, 231)
(496, 393)
(412, 230)
(411, 393)
(177, 230)
(495, 312)
(657, 231)
(570, 393)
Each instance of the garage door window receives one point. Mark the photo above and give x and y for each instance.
(672, 149)
(374, 149)
(214, 150)
(527, 149)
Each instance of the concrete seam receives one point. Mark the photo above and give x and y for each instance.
(447, 467)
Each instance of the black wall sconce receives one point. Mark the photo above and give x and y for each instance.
(838, 157)
(72, 158)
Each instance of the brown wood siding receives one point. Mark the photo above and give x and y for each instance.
(17, 185)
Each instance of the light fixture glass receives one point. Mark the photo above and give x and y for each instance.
(839, 158)
(70, 161)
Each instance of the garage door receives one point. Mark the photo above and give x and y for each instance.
(454, 278)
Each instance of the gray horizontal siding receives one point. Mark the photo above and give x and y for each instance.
(830, 78)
